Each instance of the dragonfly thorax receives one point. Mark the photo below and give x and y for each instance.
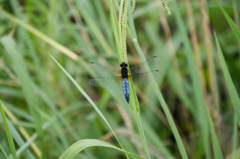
(124, 72)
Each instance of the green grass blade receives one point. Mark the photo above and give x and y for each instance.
(235, 137)
(22, 73)
(196, 84)
(4, 153)
(88, 98)
(82, 144)
(95, 30)
(216, 146)
(8, 132)
(24, 35)
(230, 86)
(230, 21)
(158, 92)
(40, 35)
(61, 132)
(48, 124)
(141, 131)
(18, 138)
(115, 26)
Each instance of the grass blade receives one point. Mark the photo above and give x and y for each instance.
(82, 144)
(26, 38)
(196, 84)
(216, 146)
(158, 92)
(88, 98)
(231, 89)
(230, 21)
(235, 137)
(22, 73)
(40, 35)
(8, 132)
(4, 153)
(115, 26)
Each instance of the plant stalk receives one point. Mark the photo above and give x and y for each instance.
(140, 128)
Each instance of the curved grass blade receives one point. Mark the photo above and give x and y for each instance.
(82, 144)
(8, 132)
(230, 86)
(230, 21)
(88, 98)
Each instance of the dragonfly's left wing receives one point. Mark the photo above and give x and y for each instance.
(103, 71)
(144, 78)
(106, 82)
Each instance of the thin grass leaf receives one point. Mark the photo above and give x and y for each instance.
(82, 144)
(40, 35)
(22, 73)
(230, 86)
(47, 124)
(88, 98)
(8, 132)
(18, 138)
(196, 84)
(115, 26)
(235, 137)
(158, 92)
(230, 21)
(216, 146)
(4, 153)
(24, 35)
(95, 30)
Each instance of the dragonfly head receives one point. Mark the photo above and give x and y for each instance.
(123, 64)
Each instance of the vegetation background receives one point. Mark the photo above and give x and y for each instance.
(199, 47)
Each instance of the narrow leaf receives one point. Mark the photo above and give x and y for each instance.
(230, 21)
(82, 144)
(230, 86)
(8, 132)
(88, 98)
(216, 146)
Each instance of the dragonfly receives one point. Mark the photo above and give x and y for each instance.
(111, 78)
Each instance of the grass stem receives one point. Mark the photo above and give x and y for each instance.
(140, 128)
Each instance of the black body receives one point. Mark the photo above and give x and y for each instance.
(124, 70)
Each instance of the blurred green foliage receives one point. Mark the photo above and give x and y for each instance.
(48, 113)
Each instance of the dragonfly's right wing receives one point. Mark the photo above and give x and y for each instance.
(107, 82)
(104, 71)
(152, 63)
(144, 78)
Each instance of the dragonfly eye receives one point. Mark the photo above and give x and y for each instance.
(123, 64)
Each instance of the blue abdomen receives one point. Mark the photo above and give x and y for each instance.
(126, 89)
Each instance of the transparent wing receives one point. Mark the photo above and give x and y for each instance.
(107, 82)
(144, 78)
(104, 71)
(153, 64)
